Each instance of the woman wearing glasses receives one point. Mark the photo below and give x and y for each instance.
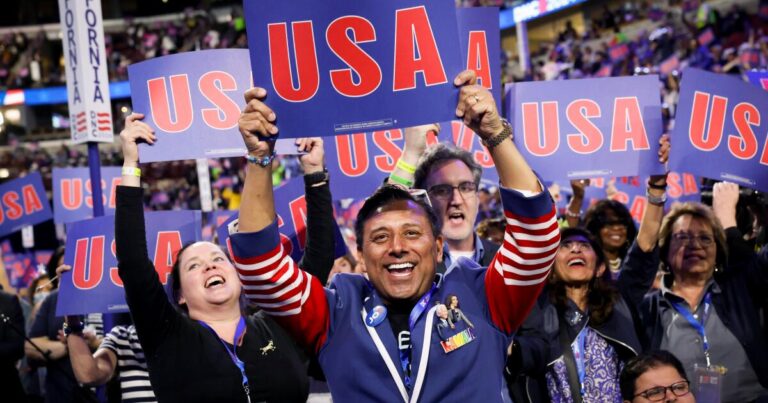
(706, 312)
(655, 376)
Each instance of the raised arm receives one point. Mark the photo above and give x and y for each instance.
(639, 268)
(517, 273)
(320, 236)
(271, 279)
(151, 311)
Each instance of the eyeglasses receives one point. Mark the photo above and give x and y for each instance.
(582, 245)
(658, 393)
(445, 190)
(684, 238)
(420, 195)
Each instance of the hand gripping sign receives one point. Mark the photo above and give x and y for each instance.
(720, 129)
(576, 129)
(72, 193)
(338, 66)
(93, 285)
(23, 202)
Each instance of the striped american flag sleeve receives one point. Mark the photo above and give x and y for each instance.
(520, 268)
(276, 284)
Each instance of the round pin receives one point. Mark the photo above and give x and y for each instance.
(376, 316)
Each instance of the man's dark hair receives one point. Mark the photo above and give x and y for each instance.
(387, 194)
(440, 153)
(640, 364)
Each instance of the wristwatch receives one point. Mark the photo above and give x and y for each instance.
(492, 142)
(315, 178)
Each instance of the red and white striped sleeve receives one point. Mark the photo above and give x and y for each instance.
(520, 268)
(276, 284)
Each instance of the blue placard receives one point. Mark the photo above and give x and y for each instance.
(193, 101)
(359, 163)
(72, 200)
(719, 131)
(480, 40)
(291, 209)
(758, 78)
(337, 66)
(93, 284)
(568, 130)
(23, 202)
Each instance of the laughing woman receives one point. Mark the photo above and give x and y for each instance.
(198, 345)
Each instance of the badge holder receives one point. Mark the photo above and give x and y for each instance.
(708, 382)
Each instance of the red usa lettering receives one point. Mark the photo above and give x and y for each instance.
(73, 193)
(707, 125)
(15, 204)
(89, 263)
(363, 74)
(178, 115)
(542, 126)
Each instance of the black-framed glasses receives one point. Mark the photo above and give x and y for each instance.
(445, 190)
(684, 238)
(658, 393)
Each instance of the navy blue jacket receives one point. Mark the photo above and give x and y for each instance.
(744, 284)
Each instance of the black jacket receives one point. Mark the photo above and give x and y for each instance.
(11, 345)
(743, 283)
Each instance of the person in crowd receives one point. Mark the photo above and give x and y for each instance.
(609, 221)
(706, 310)
(343, 264)
(655, 376)
(119, 353)
(590, 327)
(46, 334)
(399, 240)
(37, 292)
(451, 177)
(492, 230)
(12, 335)
(199, 346)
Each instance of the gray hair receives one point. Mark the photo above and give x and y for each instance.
(440, 153)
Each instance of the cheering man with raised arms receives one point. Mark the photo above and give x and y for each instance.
(376, 338)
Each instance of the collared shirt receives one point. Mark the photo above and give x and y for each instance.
(477, 255)
(740, 382)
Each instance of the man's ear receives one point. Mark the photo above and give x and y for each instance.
(439, 246)
(361, 261)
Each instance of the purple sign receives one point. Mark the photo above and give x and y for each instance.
(719, 121)
(22, 268)
(589, 133)
(758, 78)
(630, 191)
(337, 67)
(359, 163)
(291, 209)
(193, 101)
(23, 202)
(480, 39)
(93, 285)
(72, 200)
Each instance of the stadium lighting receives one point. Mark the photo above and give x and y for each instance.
(4, 173)
(13, 115)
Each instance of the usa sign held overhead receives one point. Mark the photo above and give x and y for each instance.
(337, 67)
(72, 193)
(612, 131)
(93, 284)
(23, 202)
(719, 121)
